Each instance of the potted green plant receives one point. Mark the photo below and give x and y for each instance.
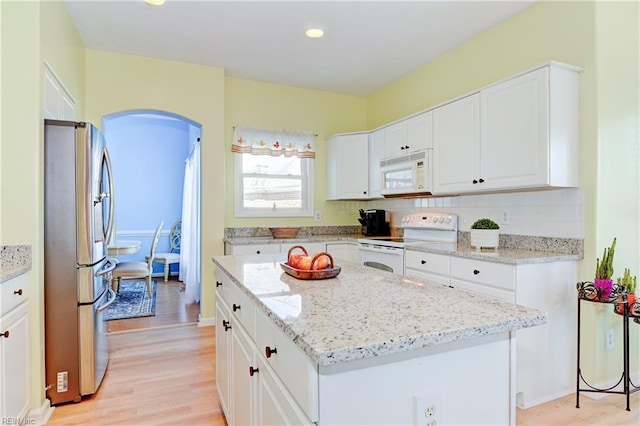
(485, 233)
(604, 271)
(630, 283)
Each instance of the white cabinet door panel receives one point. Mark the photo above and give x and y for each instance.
(14, 363)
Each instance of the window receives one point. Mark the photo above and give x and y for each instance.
(272, 181)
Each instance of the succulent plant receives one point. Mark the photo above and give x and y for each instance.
(630, 283)
(604, 269)
(485, 223)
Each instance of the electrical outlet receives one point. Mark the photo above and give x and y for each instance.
(428, 409)
(608, 339)
(318, 216)
(505, 217)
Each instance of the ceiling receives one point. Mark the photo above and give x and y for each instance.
(367, 44)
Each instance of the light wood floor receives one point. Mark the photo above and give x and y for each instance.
(170, 310)
(161, 374)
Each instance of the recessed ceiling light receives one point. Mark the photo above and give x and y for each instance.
(314, 33)
(155, 2)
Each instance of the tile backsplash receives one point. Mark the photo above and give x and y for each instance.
(548, 213)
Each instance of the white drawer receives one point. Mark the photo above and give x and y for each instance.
(242, 308)
(255, 249)
(290, 363)
(427, 262)
(13, 292)
(497, 275)
(428, 277)
(504, 295)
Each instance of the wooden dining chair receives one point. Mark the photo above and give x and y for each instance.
(173, 255)
(136, 270)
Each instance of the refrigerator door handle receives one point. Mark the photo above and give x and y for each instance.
(112, 298)
(109, 266)
(110, 194)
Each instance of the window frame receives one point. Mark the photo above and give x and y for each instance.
(307, 209)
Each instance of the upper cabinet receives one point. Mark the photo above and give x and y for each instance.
(518, 133)
(408, 136)
(376, 154)
(348, 166)
(58, 104)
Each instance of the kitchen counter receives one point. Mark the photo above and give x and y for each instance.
(240, 241)
(15, 260)
(361, 314)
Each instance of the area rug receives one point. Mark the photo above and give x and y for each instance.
(132, 301)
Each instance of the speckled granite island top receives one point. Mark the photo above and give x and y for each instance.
(15, 260)
(364, 312)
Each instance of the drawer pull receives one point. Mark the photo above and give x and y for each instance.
(474, 181)
(268, 351)
(476, 272)
(226, 325)
(252, 371)
(218, 284)
(423, 261)
(18, 292)
(257, 251)
(481, 180)
(5, 334)
(236, 307)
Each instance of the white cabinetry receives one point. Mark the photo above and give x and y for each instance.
(58, 104)
(14, 349)
(343, 251)
(256, 385)
(518, 133)
(348, 166)
(548, 286)
(240, 249)
(409, 135)
(435, 268)
(376, 154)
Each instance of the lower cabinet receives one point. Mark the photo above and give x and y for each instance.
(343, 251)
(259, 383)
(14, 363)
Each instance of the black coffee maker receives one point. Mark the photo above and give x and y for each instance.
(374, 222)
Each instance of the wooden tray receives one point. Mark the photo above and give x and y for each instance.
(302, 274)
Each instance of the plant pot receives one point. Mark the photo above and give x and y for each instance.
(488, 238)
(604, 288)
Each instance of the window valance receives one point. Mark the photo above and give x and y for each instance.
(274, 142)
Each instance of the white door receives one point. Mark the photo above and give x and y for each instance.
(223, 350)
(243, 383)
(14, 364)
(515, 132)
(456, 144)
(419, 132)
(395, 139)
(353, 166)
(376, 153)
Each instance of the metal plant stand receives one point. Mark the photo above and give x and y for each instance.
(616, 296)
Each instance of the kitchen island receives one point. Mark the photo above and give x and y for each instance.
(366, 347)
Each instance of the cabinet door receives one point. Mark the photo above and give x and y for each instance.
(311, 248)
(376, 153)
(223, 358)
(395, 139)
(244, 385)
(348, 167)
(419, 132)
(514, 146)
(456, 144)
(14, 363)
(343, 251)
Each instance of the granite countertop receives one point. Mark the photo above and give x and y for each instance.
(364, 313)
(306, 239)
(502, 255)
(15, 260)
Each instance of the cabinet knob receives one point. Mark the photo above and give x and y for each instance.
(480, 180)
(406, 147)
(236, 307)
(364, 192)
(226, 325)
(218, 284)
(5, 334)
(252, 370)
(476, 272)
(18, 292)
(268, 351)
(257, 251)
(402, 147)
(423, 261)
(474, 181)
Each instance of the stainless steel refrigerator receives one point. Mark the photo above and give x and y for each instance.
(78, 222)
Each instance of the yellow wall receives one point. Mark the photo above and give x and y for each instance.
(602, 38)
(277, 106)
(116, 82)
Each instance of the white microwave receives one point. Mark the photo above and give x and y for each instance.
(407, 175)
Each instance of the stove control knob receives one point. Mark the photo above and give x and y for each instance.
(442, 220)
(435, 219)
(449, 220)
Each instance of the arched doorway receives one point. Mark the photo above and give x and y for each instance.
(149, 151)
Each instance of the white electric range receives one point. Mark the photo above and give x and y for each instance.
(423, 228)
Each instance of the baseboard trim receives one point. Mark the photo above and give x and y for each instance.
(206, 322)
(41, 415)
